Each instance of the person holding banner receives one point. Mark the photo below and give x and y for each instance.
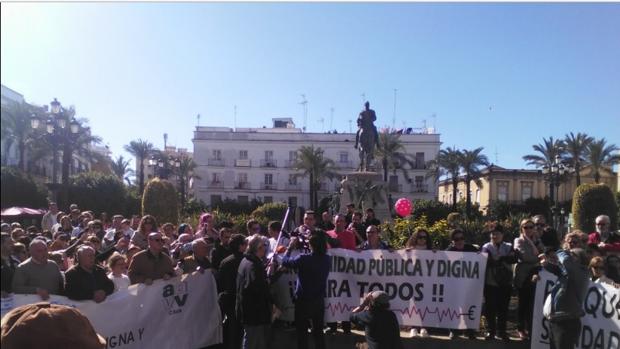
(151, 264)
(253, 306)
(564, 305)
(38, 274)
(419, 240)
(374, 241)
(86, 280)
(498, 282)
(312, 271)
(528, 251)
(379, 322)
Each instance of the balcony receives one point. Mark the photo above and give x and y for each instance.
(289, 163)
(268, 163)
(216, 162)
(243, 163)
(242, 185)
(418, 166)
(419, 188)
(292, 186)
(268, 186)
(216, 184)
(395, 187)
(345, 164)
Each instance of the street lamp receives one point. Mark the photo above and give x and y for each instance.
(164, 167)
(553, 174)
(56, 133)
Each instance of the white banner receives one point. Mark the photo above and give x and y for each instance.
(178, 313)
(434, 289)
(600, 326)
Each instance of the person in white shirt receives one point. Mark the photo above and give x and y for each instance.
(118, 266)
(49, 218)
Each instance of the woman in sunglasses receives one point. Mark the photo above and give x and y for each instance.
(420, 240)
(458, 244)
(529, 251)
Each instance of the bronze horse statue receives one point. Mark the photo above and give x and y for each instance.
(367, 137)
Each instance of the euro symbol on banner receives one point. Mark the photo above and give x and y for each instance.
(470, 313)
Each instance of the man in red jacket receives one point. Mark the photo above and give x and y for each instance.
(606, 239)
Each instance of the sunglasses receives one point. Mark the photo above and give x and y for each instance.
(540, 224)
(598, 267)
(528, 227)
(601, 223)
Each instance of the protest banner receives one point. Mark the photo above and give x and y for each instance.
(434, 289)
(178, 313)
(600, 325)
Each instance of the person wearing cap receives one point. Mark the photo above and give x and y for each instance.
(312, 271)
(86, 280)
(379, 322)
(151, 264)
(45, 325)
(38, 274)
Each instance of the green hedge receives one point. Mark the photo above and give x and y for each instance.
(591, 200)
(160, 200)
(19, 189)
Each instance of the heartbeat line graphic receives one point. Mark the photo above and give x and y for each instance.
(422, 312)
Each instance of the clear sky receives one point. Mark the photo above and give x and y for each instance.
(501, 76)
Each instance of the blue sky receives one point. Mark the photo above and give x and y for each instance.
(501, 76)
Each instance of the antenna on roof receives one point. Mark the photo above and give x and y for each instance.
(496, 156)
(322, 121)
(363, 97)
(235, 116)
(394, 115)
(197, 120)
(331, 118)
(304, 104)
(350, 126)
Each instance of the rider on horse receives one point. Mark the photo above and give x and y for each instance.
(366, 121)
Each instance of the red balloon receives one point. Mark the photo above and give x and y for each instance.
(403, 207)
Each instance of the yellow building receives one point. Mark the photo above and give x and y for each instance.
(516, 186)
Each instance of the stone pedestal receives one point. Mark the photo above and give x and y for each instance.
(354, 186)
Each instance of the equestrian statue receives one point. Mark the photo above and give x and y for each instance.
(366, 137)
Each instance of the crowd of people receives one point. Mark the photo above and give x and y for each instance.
(84, 257)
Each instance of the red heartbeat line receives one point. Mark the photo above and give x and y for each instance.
(441, 314)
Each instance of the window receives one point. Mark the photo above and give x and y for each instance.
(419, 160)
(217, 154)
(419, 181)
(268, 199)
(502, 190)
(526, 190)
(344, 157)
(292, 179)
(242, 199)
(215, 178)
(478, 196)
(292, 201)
(242, 177)
(216, 199)
(268, 154)
(268, 178)
(393, 179)
(292, 155)
(243, 154)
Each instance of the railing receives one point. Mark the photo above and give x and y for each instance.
(216, 162)
(218, 184)
(289, 163)
(269, 186)
(292, 186)
(419, 188)
(243, 163)
(268, 163)
(418, 166)
(242, 185)
(395, 187)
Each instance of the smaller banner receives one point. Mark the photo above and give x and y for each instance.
(178, 313)
(600, 326)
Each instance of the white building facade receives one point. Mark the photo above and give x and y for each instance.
(257, 163)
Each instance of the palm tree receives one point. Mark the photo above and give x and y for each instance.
(391, 154)
(186, 173)
(600, 155)
(312, 163)
(16, 129)
(576, 147)
(364, 191)
(549, 150)
(447, 163)
(141, 149)
(471, 161)
(121, 168)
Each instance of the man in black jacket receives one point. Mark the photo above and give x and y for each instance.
(226, 278)
(253, 304)
(87, 280)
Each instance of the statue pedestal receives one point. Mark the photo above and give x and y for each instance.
(358, 184)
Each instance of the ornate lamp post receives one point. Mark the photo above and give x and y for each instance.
(554, 175)
(56, 133)
(162, 168)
